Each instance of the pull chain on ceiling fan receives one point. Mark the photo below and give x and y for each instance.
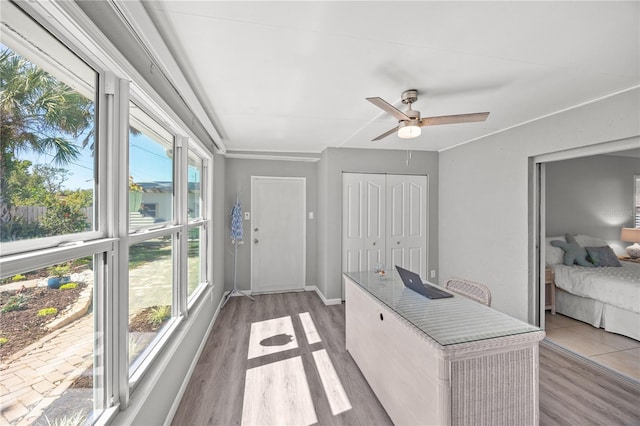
(409, 122)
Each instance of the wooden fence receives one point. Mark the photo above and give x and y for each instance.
(34, 213)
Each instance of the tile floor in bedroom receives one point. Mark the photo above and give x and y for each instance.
(613, 350)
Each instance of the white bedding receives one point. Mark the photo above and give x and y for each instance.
(616, 286)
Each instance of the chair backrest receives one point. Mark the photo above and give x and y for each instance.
(469, 289)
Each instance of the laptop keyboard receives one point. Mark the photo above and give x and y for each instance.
(433, 292)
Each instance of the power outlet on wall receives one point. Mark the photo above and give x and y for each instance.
(432, 273)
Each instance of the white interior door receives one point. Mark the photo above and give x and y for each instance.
(363, 221)
(278, 234)
(406, 214)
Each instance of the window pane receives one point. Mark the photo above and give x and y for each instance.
(150, 294)
(50, 347)
(150, 171)
(195, 260)
(194, 182)
(48, 146)
(637, 201)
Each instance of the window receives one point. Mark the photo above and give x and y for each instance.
(48, 142)
(151, 270)
(637, 200)
(62, 215)
(149, 209)
(64, 360)
(52, 337)
(152, 255)
(194, 183)
(196, 271)
(151, 170)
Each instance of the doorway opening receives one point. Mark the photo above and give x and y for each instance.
(584, 192)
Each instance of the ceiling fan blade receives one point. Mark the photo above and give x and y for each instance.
(453, 119)
(382, 104)
(385, 134)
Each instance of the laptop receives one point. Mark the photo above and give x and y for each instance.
(413, 281)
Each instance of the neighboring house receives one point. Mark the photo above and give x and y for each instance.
(157, 199)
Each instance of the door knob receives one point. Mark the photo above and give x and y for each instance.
(255, 229)
(398, 243)
(255, 241)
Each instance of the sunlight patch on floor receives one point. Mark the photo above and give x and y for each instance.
(278, 394)
(309, 328)
(338, 400)
(269, 329)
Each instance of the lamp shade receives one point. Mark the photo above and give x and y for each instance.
(409, 130)
(631, 235)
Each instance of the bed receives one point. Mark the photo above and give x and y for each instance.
(605, 297)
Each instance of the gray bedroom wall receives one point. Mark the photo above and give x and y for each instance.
(592, 195)
(333, 163)
(488, 239)
(238, 180)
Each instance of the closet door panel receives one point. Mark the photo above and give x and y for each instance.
(374, 219)
(352, 223)
(407, 222)
(363, 221)
(415, 242)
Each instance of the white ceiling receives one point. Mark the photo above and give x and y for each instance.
(293, 76)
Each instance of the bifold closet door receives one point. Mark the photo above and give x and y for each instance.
(384, 219)
(406, 222)
(363, 221)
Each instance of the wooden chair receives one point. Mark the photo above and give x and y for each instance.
(469, 289)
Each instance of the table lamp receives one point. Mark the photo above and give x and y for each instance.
(631, 235)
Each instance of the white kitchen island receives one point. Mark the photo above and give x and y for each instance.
(444, 361)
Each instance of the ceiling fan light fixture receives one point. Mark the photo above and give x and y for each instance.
(409, 129)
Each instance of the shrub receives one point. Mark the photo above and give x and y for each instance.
(68, 286)
(159, 314)
(20, 229)
(15, 303)
(76, 419)
(59, 270)
(65, 217)
(47, 311)
(3, 340)
(18, 277)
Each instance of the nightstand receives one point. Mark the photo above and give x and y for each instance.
(629, 259)
(549, 291)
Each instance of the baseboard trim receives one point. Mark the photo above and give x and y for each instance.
(326, 301)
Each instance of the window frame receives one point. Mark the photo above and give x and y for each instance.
(32, 46)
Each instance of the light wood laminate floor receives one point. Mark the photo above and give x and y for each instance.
(313, 379)
(242, 366)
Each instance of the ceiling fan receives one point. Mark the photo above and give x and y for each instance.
(409, 122)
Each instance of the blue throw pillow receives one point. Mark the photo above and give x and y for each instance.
(573, 252)
(603, 256)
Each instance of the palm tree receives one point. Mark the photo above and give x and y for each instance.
(39, 114)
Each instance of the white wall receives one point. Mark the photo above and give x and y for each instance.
(238, 181)
(484, 194)
(591, 195)
(334, 161)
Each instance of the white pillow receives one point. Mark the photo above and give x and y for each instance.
(587, 241)
(553, 255)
